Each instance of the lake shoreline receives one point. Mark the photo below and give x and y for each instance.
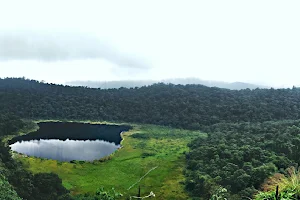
(37, 139)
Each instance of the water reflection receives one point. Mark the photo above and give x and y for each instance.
(67, 150)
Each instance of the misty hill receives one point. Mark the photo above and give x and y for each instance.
(184, 106)
(182, 81)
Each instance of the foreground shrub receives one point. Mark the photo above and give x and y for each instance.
(288, 186)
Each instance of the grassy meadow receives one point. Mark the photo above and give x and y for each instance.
(143, 148)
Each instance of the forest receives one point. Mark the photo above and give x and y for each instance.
(241, 156)
(189, 106)
(251, 134)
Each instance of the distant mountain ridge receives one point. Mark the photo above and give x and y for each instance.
(181, 81)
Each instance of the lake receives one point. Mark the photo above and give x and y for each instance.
(66, 141)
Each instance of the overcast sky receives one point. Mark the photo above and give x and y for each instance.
(57, 41)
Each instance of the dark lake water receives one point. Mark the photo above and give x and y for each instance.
(66, 141)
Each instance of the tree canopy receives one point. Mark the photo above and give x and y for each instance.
(240, 156)
(189, 106)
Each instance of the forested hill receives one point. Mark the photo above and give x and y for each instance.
(189, 106)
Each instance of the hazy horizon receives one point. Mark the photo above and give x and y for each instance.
(253, 42)
(145, 82)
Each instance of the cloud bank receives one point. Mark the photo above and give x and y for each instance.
(51, 47)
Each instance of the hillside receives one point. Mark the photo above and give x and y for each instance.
(189, 106)
(241, 156)
(242, 137)
(181, 81)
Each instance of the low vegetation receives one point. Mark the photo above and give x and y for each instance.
(15, 181)
(7, 191)
(281, 186)
(144, 147)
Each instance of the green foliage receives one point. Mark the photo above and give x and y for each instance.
(6, 190)
(287, 195)
(242, 149)
(189, 107)
(10, 124)
(241, 156)
(219, 194)
(288, 184)
(129, 164)
(15, 180)
(100, 194)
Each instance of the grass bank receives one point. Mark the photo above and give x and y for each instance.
(144, 147)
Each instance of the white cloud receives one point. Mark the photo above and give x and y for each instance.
(255, 41)
(24, 45)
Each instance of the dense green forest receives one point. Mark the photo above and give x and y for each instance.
(240, 156)
(190, 106)
(252, 134)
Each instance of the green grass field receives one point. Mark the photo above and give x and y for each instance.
(144, 147)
